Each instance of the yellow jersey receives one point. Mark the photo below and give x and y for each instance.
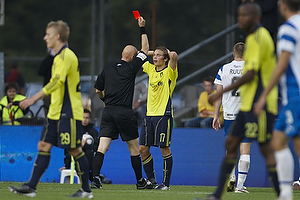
(259, 56)
(160, 88)
(64, 87)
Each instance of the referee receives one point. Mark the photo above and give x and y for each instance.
(115, 86)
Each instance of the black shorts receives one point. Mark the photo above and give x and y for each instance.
(248, 126)
(157, 131)
(118, 120)
(65, 133)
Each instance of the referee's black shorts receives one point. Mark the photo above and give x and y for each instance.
(118, 120)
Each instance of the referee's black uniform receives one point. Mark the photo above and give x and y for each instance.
(117, 81)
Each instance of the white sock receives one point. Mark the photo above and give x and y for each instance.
(285, 172)
(243, 168)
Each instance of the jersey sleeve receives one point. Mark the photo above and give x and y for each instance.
(60, 69)
(100, 83)
(218, 79)
(138, 61)
(253, 56)
(287, 38)
(173, 73)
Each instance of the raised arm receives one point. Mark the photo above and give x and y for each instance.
(144, 37)
(173, 59)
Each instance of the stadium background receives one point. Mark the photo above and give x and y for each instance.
(101, 28)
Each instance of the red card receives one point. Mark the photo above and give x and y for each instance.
(136, 14)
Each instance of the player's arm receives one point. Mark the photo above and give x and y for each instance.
(150, 53)
(173, 59)
(281, 67)
(216, 121)
(31, 100)
(144, 37)
(248, 76)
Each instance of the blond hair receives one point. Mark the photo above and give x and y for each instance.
(62, 29)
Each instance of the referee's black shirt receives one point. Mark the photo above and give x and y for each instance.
(117, 81)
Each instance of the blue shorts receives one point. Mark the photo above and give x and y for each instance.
(248, 126)
(227, 125)
(65, 133)
(289, 119)
(157, 131)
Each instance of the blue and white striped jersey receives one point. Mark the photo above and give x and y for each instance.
(288, 39)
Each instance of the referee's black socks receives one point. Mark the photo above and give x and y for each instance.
(136, 164)
(98, 162)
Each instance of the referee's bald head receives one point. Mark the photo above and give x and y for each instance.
(128, 53)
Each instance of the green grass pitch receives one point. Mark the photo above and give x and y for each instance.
(56, 191)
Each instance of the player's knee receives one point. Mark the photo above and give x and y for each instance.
(279, 141)
(231, 146)
(143, 150)
(165, 151)
(44, 146)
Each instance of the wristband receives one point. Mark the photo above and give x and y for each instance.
(143, 30)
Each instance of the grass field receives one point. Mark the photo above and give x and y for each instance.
(50, 191)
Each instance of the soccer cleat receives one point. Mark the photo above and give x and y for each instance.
(210, 197)
(82, 194)
(154, 182)
(296, 183)
(96, 184)
(144, 184)
(23, 190)
(241, 191)
(231, 183)
(162, 187)
(104, 179)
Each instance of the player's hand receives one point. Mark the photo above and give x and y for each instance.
(259, 105)
(214, 97)
(141, 21)
(83, 142)
(26, 103)
(136, 105)
(62, 168)
(216, 124)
